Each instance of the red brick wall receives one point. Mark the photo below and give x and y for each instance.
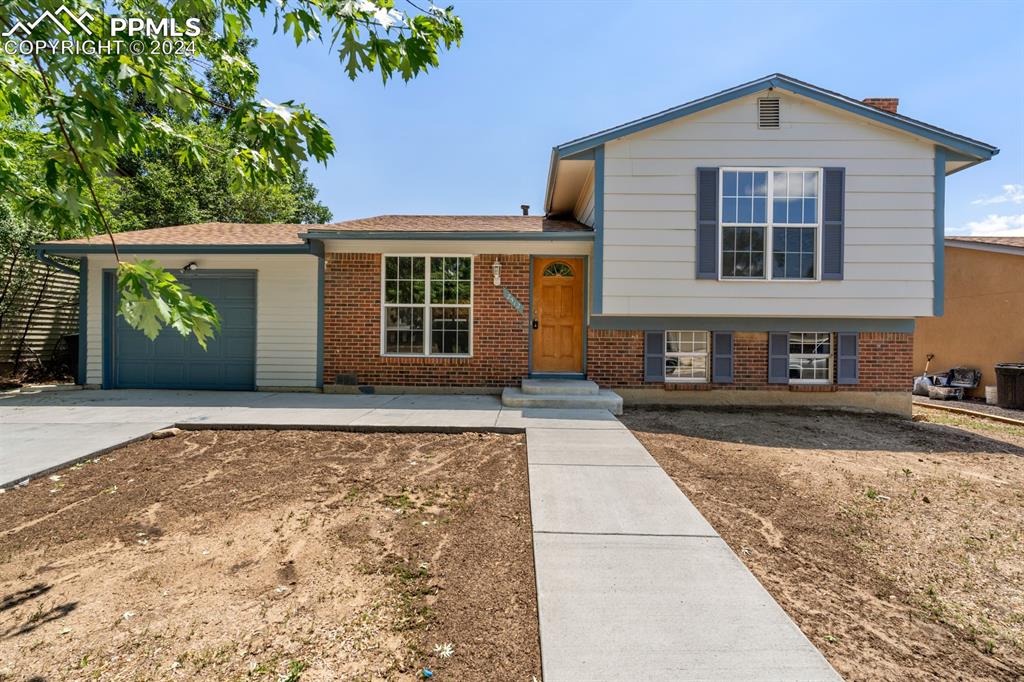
(615, 360)
(352, 285)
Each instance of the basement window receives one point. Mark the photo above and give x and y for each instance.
(427, 305)
(686, 356)
(810, 358)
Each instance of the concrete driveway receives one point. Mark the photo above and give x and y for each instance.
(43, 431)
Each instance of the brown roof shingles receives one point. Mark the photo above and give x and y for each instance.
(274, 234)
(1017, 242)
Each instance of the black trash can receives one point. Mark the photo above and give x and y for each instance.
(1010, 385)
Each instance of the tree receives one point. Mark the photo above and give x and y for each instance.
(155, 189)
(88, 125)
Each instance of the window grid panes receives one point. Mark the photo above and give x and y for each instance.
(766, 209)
(686, 356)
(810, 357)
(418, 324)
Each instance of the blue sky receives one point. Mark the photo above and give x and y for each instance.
(474, 136)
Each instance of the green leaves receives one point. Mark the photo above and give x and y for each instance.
(76, 116)
(152, 298)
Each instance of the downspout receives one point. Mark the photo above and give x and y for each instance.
(45, 258)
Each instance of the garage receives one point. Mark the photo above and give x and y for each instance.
(172, 361)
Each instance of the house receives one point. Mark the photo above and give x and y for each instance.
(773, 243)
(982, 324)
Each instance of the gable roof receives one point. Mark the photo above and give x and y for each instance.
(953, 141)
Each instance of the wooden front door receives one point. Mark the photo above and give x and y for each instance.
(558, 315)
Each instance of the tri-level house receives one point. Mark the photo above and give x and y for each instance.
(769, 244)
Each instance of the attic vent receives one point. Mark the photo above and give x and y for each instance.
(767, 113)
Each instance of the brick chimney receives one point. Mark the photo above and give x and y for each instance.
(890, 104)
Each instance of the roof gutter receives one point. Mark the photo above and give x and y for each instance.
(568, 236)
(176, 248)
(45, 258)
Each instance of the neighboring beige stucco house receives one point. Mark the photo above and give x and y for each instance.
(983, 322)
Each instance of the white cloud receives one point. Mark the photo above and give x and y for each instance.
(994, 226)
(1013, 194)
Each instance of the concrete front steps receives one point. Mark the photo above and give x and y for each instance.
(565, 394)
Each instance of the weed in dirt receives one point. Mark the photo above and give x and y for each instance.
(294, 672)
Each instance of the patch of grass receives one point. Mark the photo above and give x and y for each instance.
(401, 501)
(975, 423)
(294, 671)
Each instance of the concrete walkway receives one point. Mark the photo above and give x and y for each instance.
(44, 431)
(634, 584)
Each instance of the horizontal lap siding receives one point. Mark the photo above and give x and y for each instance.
(650, 219)
(286, 313)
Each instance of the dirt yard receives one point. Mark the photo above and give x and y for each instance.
(898, 547)
(276, 556)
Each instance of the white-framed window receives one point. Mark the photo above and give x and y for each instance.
(686, 356)
(770, 223)
(810, 358)
(427, 305)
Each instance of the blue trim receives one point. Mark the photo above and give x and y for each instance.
(175, 248)
(83, 319)
(754, 324)
(598, 303)
(43, 257)
(938, 302)
(107, 322)
(966, 145)
(320, 320)
(568, 236)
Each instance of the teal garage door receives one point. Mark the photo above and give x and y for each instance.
(173, 361)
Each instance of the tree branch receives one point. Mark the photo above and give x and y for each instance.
(78, 159)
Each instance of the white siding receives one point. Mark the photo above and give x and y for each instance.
(286, 313)
(650, 216)
(584, 210)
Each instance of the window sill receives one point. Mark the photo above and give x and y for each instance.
(426, 359)
(813, 388)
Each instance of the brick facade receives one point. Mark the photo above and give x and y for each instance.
(352, 319)
(615, 360)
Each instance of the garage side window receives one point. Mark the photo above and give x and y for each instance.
(427, 305)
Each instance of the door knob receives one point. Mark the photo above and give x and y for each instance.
(535, 325)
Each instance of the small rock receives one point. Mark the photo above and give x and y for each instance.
(166, 433)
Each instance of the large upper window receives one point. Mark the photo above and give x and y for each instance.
(427, 305)
(810, 357)
(769, 211)
(686, 356)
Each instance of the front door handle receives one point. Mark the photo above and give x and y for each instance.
(535, 324)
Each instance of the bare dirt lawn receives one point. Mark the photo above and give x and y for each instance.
(274, 555)
(897, 546)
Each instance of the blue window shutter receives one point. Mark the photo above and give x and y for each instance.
(778, 358)
(833, 207)
(847, 358)
(654, 356)
(721, 357)
(707, 223)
